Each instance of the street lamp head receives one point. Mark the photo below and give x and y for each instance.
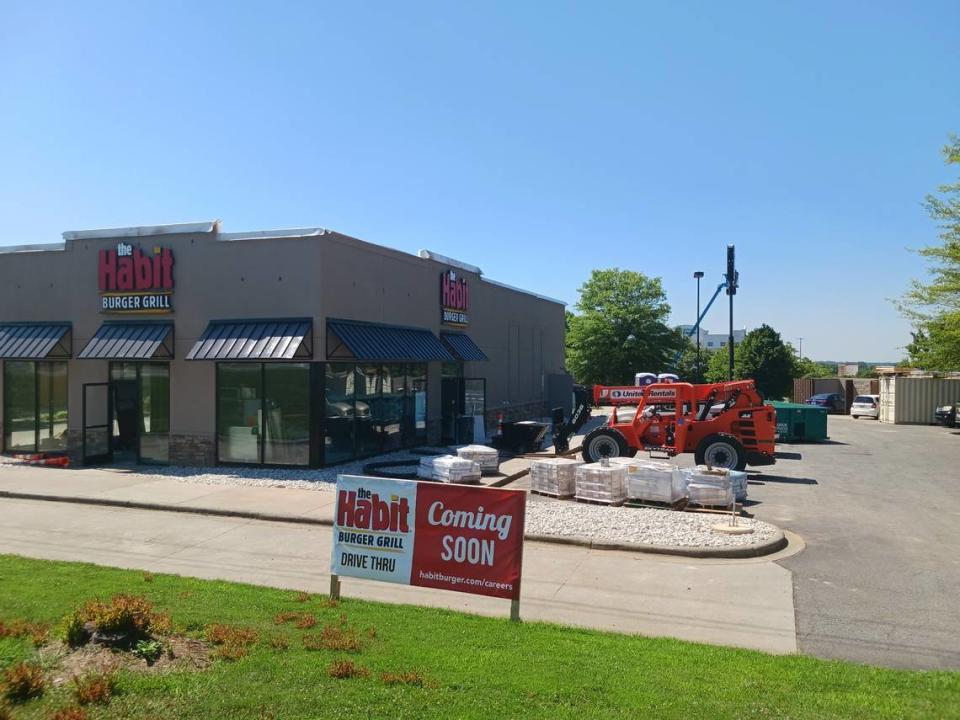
(698, 274)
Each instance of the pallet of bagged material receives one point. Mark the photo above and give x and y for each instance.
(449, 469)
(604, 484)
(555, 477)
(487, 458)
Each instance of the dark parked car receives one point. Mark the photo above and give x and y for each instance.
(833, 402)
(946, 415)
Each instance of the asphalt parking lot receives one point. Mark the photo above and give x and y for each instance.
(879, 508)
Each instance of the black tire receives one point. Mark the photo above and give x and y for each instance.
(721, 450)
(604, 442)
(854, 416)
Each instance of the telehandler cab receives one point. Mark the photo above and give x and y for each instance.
(723, 424)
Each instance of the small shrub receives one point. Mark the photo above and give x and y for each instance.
(37, 632)
(329, 603)
(372, 632)
(279, 642)
(301, 597)
(345, 669)
(149, 650)
(148, 577)
(305, 622)
(72, 630)
(69, 713)
(94, 689)
(23, 681)
(405, 678)
(333, 638)
(5, 713)
(220, 634)
(284, 617)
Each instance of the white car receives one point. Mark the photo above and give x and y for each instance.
(865, 406)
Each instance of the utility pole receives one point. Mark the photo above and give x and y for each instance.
(698, 274)
(800, 348)
(733, 278)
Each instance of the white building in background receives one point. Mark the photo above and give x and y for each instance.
(714, 341)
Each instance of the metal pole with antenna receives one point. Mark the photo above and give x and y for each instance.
(732, 282)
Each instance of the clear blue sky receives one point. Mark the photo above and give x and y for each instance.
(536, 140)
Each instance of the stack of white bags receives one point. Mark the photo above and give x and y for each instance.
(715, 486)
(449, 469)
(652, 481)
(487, 458)
(602, 483)
(554, 476)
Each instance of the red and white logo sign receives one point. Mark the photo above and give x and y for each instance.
(451, 537)
(134, 281)
(454, 299)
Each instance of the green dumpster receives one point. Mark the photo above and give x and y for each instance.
(800, 422)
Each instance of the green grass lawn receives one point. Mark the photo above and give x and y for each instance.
(476, 667)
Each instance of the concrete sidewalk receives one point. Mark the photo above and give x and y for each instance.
(745, 603)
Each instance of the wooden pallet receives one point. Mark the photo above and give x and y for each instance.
(594, 501)
(680, 504)
(547, 493)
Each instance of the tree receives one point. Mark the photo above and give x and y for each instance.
(807, 368)
(686, 367)
(762, 356)
(934, 307)
(620, 328)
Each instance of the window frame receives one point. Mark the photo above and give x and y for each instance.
(35, 365)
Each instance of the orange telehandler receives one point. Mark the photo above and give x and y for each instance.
(723, 424)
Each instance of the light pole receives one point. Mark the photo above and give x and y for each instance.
(733, 280)
(800, 348)
(698, 274)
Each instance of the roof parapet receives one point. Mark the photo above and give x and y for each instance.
(206, 226)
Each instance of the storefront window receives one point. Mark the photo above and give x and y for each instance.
(391, 408)
(155, 413)
(339, 416)
(417, 404)
(239, 404)
(35, 406)
(369, 405)
(287, 420)
(263, 413)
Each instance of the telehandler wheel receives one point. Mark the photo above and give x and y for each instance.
(721, 450)
(604, 442)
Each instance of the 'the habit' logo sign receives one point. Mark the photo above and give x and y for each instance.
(133, 281)
(454, 299)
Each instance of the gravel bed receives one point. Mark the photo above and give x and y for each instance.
(648, 526)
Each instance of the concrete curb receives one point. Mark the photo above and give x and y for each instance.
(748, 551)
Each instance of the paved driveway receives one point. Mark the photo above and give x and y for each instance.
(879, 509)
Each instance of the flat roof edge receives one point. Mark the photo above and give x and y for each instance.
(205, 226)
(445, 260)
(267, 234)
(38, 247)
(525, 292)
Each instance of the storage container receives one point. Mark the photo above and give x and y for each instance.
(800, 422)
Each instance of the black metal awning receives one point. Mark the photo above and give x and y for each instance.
(130, 341)
(259, 340)
(355, 340)
(462, 346)
(40, 341)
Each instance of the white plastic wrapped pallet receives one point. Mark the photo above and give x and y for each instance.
(654, 481)
(554, 476)
(449, 468)
(487, 457)
(736, 478)
(709, 486)
(602, 483)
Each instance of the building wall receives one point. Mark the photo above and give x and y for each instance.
(328, 275)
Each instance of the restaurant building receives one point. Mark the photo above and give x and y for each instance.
(181, 344)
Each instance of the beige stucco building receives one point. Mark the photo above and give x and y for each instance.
(182, 344)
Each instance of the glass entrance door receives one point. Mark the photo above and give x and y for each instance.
(463, 407)
(140, 412)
